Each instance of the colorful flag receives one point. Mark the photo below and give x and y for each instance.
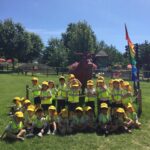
(132, 55)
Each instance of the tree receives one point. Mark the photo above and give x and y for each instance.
(55, 53)
(35, 49)
(144, 55)
(79, 37)
(13, 39)
(114, 56)
(16, 42)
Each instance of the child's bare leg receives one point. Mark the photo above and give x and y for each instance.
(21, 134)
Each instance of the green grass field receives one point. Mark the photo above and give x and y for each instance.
(14, 85)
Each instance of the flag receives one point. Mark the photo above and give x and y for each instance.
(132, 55)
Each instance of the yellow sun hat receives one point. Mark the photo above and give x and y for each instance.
(100, 78)
(52, 108)
(71, 76)
(120, 110)
(88, 108)
(116, 81)
(100, 81)
(45, 83)
(79, 109)
(129, 105)
(31, 108)
(103, 105)
(27, 101)
(16, 98)
(35, 79)
(90, 83)
(75, 85)
(126, 83)
(64, 112)
(61, 77)
(111, 81)
(19, 114)
(121, 80)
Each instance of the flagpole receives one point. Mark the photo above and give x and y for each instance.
(137, 65)
(134, 58)
(139, 97)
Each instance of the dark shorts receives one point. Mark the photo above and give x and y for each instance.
(61, 104)
(114, 105)
(72, 106)
(91, 104)
(49, 127)
(37, 100)
(36, 130)
(45, 106)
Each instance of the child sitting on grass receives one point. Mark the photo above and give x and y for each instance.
(78, 122)
(90, 119)
(17, 106)
(29, 119)
(51, 119)
(133, 115)
(104, 120)
(121, 122)
(63, 122)
(15, 129)
(39, 123)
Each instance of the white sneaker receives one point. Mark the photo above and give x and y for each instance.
(40, 134)
(49, 132)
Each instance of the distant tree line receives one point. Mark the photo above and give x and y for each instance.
(17, 43)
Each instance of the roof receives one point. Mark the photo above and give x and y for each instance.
(101, 54)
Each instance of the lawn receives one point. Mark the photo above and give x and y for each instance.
(14, 85)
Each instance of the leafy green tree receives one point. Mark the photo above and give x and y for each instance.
(55, 53)
(78, 37)
(36, 47)
(114, 56)
(144, 55)
(16, 42)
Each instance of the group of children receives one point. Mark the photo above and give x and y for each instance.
(58, 110)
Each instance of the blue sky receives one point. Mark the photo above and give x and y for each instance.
(49, 18)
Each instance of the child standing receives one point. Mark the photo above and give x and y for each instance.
(73, 96)
(127, 97)
(117, 94)
(36, 90)
(46, 96)
(103, 93)
(62, 94)
(53, 90)
(91, 95)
